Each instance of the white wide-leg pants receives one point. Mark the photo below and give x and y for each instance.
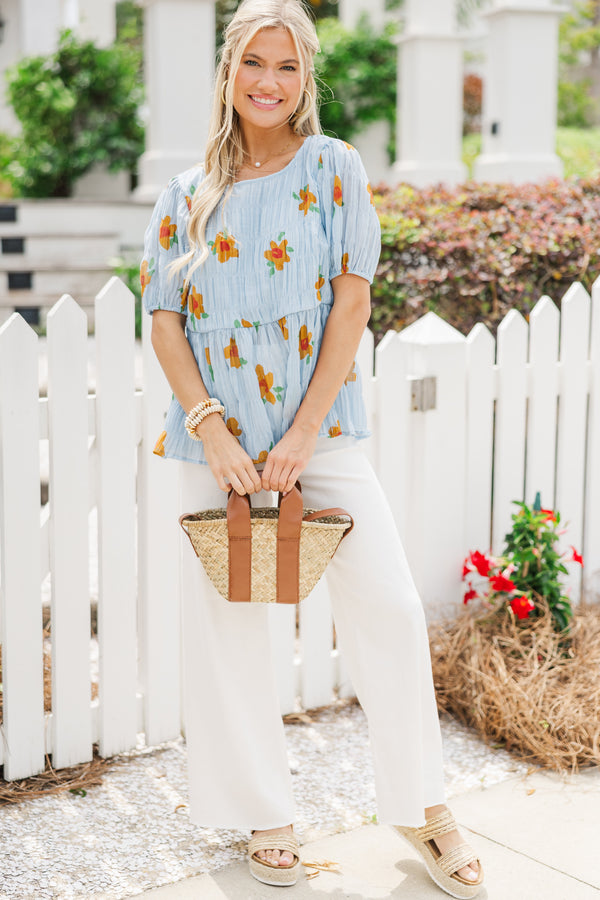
(238, 767)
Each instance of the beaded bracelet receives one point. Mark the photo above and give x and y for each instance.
(199, 412)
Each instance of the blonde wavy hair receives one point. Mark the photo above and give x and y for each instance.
(224, 148)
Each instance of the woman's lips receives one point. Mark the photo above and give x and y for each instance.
(265, 102)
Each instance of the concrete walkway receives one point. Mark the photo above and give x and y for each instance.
(538, 837)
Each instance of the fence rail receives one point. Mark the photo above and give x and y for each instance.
(511, 417)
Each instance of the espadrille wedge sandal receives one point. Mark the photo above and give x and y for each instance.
(443, 867)
(267, 872)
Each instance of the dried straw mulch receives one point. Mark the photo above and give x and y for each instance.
(521, 685)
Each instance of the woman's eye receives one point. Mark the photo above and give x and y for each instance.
(290, 68)
(250, 62)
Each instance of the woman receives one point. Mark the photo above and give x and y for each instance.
(257, 269)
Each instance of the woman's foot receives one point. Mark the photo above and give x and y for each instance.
(449, 841)
(276, 857)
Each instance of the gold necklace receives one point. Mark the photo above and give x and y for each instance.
(258, 165)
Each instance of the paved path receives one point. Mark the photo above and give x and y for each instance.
(538, 836)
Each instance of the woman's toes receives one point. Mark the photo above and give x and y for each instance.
(468, 873)
(286, 858)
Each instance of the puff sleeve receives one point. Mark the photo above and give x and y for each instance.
(348, 212)
(164, 241)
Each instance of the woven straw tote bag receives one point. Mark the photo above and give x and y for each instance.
(266, 555)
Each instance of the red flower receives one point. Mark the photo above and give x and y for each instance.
(549, 515)
(466, 568)
(521, 606)
(577, 557)
(502, 584)
(470, 594)
(481, 563)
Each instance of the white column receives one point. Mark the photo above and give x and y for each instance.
(372, 142)
(520, 93)
(98, 21)
(429, 138)
(350, 12)
(179, 61)
(40, 26)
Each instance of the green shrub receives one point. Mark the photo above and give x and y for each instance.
(356, 72)
(77, 107)
(575, 104)
(474, 252)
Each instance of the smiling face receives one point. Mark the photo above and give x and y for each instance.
(268, 84)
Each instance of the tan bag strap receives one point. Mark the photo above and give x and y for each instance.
(333, 511)
(240, 547)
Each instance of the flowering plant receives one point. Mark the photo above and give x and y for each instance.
(527, 576)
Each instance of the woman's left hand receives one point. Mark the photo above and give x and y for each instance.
(288, 459)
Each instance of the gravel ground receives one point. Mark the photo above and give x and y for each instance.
(133, 833)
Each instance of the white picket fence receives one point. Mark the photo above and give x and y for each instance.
(507, 421)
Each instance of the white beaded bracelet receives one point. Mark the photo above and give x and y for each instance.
(199, 412)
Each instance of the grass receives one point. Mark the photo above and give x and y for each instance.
(579, 149)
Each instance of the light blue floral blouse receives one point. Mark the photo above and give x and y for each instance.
(257, 308)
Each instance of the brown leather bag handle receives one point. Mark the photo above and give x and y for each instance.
(288, 543)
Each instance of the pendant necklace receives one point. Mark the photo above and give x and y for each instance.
(280, 153)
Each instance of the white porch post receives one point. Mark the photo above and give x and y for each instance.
(429, 95)
(352, 10)
(372, 142)
(520, 92)
(40, 26)
(179, 61)
(98, 21)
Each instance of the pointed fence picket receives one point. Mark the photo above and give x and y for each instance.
(116, 447)
(509, 440)
(499, 430)
(69, 492)
(591, 537)
(572, 415)
(540, 474)
(21, 630)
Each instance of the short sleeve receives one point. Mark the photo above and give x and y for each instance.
(164, 241)
(348, 212)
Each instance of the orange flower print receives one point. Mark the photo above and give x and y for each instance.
(321, 161)
(159, 448)
(196, 305)
(351, 376)
(335, 430)
(345, 264)
(233, 355)
(268, 393)
(168, 233)
(224, 247)
(262, 457)
(278, 254)
(233, 427)
(304, 344)
(146, 273)
(319, 284)
(370, 190)
(349, 146)
(208, 362)
(283, 325)
(307, 201)
(337, 191)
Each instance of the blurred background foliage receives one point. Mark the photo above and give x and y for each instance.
(83, 105)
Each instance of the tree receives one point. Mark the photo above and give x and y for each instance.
(77, 107)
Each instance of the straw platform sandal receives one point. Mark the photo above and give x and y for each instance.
(443, 867)
(267, 872)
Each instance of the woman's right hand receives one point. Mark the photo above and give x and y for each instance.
(228, 461)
